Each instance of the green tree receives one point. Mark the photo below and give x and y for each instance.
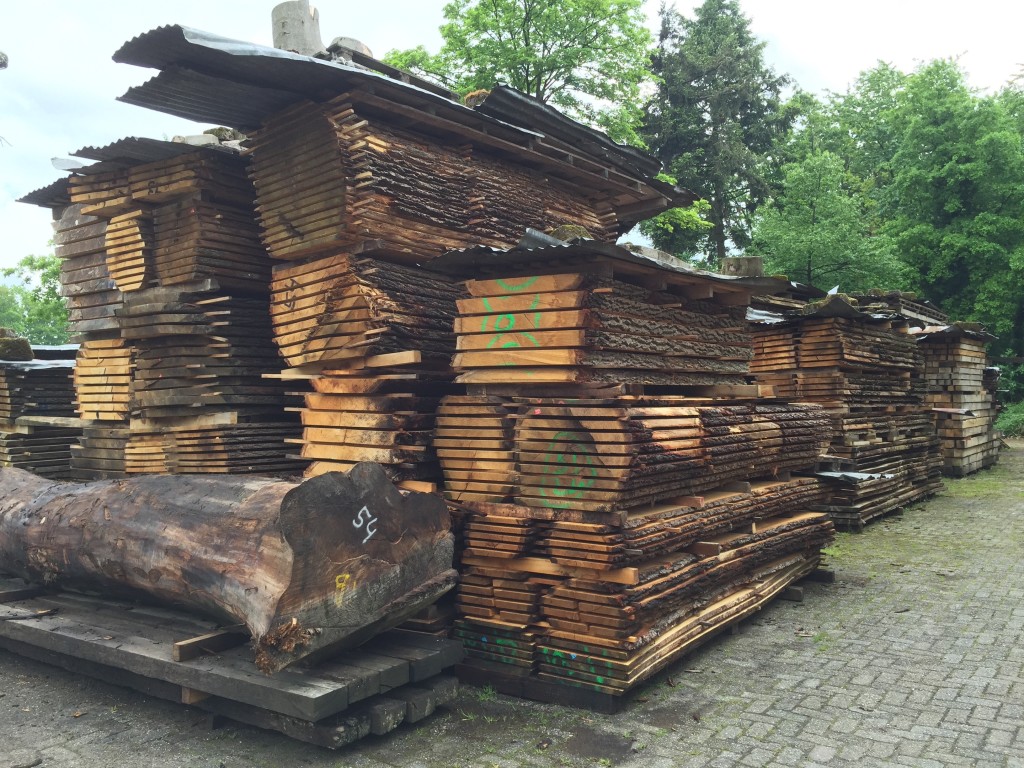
(586, 57)
(716, 121)
(31, 305)
(863, 127)
(955, 202)
(816, 231)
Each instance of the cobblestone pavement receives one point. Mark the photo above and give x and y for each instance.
(913, 657)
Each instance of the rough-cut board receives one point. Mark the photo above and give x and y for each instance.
(307, 568)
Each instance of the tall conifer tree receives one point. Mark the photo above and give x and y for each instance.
(715, 122)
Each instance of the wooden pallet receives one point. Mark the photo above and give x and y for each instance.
(396, 678)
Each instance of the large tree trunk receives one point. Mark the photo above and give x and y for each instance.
(308, 567)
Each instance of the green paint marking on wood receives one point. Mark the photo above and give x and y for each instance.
(510, 285)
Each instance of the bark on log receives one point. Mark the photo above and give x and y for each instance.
(308, 567)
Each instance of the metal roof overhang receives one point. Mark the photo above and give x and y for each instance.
(482, 259)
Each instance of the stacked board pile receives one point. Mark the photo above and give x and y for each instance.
(421, 193)
(625, 493)
(372, 333)
(375, 340)
(961, 392)
(37, 427)
(103, 369)
(866, 370)
(172, 379)
(591, 329)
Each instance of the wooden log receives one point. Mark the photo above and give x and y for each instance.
(308, 568)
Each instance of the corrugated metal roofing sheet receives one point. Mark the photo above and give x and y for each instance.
(515, 107)
(54, 195)
(210, 78)
(123, 153)
(954, 330)
(248, 64)
(195, 96)
(486, 258)
(138, 151)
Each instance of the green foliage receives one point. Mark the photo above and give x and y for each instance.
(955, 200)
(816, 231)
(673, 229)
(1011, 420)
(716, 121)
(1011, 382)
(586, 57)
(32, 306)
(908, 181)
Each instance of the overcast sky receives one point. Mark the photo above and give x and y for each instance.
(58, 93)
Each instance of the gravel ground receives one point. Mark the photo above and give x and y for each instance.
(913, 657)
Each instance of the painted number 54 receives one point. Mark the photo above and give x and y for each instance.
(367, 522)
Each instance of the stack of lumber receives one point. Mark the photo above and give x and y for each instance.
(918, 312)
(36, 388)
(37, 427)
(103, 369)
(608, 637)
(581, 328)
(199, 350)
(351, 308)
(362, 177)
(197, 237)
(620, 538)
(866, 370)
(625, 495)
(128, 244)
(601, 455)
(39, 448)
(103, 379)
(91, 294)
(960, 395)
(99, 453)
(200, 402)
(102, 193)
(377, 338)
(173, 380)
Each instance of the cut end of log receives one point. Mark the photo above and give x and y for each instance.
(366, 556)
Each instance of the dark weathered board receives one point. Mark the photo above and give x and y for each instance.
(130, 644)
